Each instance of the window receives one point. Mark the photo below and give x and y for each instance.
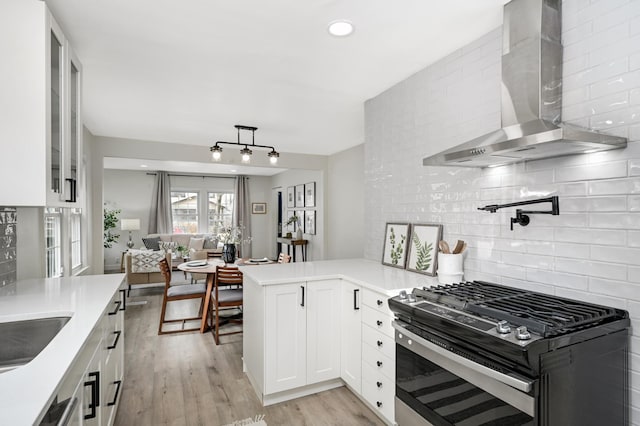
(76, 238)
(220, 211)
(184, 207)
(53, 239)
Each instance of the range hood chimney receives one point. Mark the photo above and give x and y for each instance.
(531, 97)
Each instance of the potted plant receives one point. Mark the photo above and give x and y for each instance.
(230, 236)
(295, 220)
(110, 222)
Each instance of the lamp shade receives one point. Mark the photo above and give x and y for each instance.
(130, 224)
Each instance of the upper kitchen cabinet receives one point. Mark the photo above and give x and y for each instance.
(41, 107)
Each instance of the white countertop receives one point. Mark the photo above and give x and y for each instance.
(27, 390)
(367, 273)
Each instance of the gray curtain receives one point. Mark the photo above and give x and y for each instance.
(242, 214)
(160, 220)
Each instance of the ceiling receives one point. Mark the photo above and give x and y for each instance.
(187, 71)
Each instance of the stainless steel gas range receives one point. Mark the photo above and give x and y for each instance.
(479, 353)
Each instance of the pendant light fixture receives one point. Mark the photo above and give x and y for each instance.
(246, 152)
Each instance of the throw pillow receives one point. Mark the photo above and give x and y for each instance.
(152, 243)
(210, 243)
(196, 243)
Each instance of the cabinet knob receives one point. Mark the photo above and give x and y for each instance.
(379, 323)
(379, 404)
(379, 363)
(379, 343)
(380, 302)
(379, 384)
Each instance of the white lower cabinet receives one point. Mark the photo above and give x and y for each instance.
(302, 334)
(351, 337)
(90, 390)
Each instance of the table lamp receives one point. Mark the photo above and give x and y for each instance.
(130, 225)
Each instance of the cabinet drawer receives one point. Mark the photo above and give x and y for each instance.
(382, 343)
(378, 361)
(378, 320)
(379, 391)
(375, 300)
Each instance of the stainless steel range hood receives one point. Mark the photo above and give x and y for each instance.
(531, 97)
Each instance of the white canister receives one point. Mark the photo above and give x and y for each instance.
(450, 268)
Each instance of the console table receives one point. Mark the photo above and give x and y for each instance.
(293, 243)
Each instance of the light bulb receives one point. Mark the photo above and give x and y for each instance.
(246, 158)
(216, 152)
(216, 156)
(273, 156)
(273, 160)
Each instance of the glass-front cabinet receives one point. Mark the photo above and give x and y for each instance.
(40, 106)
(65, 135)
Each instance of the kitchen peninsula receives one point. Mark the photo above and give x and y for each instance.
(313, 326)
(91, 341)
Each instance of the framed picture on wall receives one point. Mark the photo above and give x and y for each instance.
(291, 197)
(423, 248)
(310, 194)
(259, 208)
(290, 226)
(396, 239)
(310, 222)
(299, 195)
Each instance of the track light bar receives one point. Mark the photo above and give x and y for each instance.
(246, 152)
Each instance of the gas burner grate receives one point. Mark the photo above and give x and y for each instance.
(543, 314)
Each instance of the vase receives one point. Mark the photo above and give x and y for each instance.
(299, 234)
(229, 253)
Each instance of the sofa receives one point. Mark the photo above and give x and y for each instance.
(205, 242)
(147, 274)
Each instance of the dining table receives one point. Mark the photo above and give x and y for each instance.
(210, 269)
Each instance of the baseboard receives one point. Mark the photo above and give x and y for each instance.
(300, 392)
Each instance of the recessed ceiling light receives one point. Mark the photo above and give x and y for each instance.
(233, 170)
(340, 28)
(143, 165)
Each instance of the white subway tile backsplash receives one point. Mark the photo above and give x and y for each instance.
(528, 260)
(634, 203)
(577, 282)
(626, 81)
(591, 268)
(600, 299)
(596, 106)
(615, 220)
(634, 238)
(630, 256)
(614, 187)
(592, 171)
(618, 288)
(596, 73)
(593, 236)
(634, 61)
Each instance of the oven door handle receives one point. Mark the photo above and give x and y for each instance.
(508, 379)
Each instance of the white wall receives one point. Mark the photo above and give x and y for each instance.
(345, 204)
(592, 250)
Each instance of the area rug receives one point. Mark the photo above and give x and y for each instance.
(258, 420)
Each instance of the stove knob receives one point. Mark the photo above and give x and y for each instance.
(403, 294)
(412, 298)
(522, 333)
(503, 327)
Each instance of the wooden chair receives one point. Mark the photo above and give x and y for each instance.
(198, 255)
(179, 292)
(226, 293)
(284, 258)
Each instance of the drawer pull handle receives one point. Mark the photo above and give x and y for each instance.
(379, 363)
(115, 397)
(115, 311)
(302, 287)
(95, 394)
(123, 297)
(379, 323)
(115, 342)
(379, 302)
(379, 384)
(379, 404)
(379, 343)
(355, 300)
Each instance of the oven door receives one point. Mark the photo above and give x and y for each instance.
(435, 386)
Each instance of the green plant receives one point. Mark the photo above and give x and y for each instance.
(110, 222)
(423, 251)
(396, 251)
(295, 220)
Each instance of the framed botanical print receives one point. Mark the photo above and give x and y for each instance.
(299, 195)
(291, 197)
(423, 248)
(396, 238)
(310, 194)
(310, 222)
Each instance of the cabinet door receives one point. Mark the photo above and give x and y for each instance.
(72, 178)
(285, 337)
(91, 390)
(113, 357)
(351, 336)
(55, 120)
(323, 330)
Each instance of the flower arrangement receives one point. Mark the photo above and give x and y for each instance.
(295, 220)
(230, 234)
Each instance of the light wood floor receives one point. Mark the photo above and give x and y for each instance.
(185, 379)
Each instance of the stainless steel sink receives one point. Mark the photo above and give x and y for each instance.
(22, 341)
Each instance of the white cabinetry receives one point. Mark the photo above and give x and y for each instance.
(351, 340)
(40, 106)
(92, 384)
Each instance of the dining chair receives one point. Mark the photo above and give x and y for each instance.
(226, 294)
(284, 258)
(179, 292)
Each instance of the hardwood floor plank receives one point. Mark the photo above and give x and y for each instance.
(186, 380)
